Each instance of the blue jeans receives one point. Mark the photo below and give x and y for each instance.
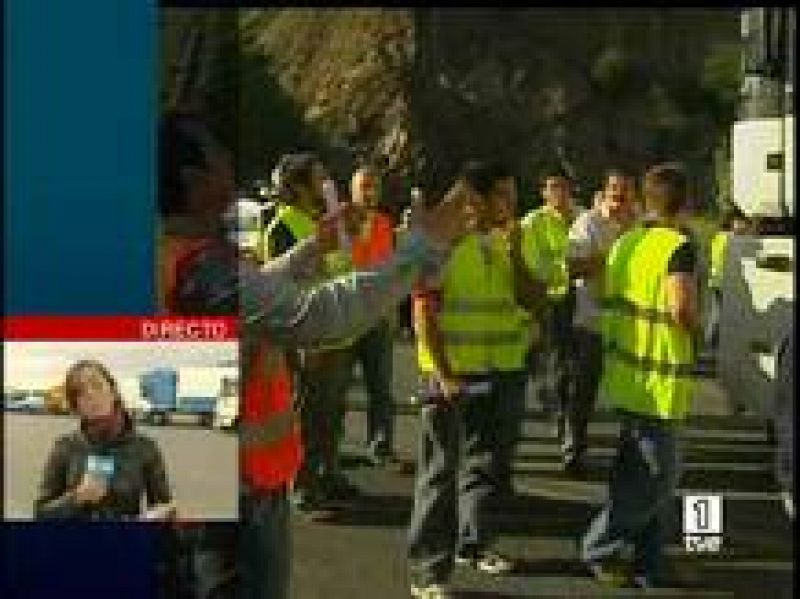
(374, 351)
(552, 366)
(252, 556)
(456, 476)
(637, 512)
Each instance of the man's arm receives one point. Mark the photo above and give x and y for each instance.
(426, 327)
(682, 287)
(682, 300)
(584, 260)
(529, 291)
(274, 305)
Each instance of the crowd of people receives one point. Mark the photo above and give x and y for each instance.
(585, 302)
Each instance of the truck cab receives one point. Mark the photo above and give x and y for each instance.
(758, 271)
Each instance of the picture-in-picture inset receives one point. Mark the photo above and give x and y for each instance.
(127, 429)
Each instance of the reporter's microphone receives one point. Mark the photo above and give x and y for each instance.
(101, 466)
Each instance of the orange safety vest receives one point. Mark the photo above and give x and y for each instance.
(270, 445)
(375, 247)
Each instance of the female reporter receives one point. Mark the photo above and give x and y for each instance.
(102, 470)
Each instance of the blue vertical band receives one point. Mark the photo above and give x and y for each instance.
(79, 208)
(80, 93)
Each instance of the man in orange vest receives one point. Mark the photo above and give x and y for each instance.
(201, 274)
(371, 247)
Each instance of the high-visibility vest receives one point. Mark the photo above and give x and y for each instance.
(376, 246)
(336, 263)
(269, 432)
(648, 359)
(270, 445)
(482, 327)
(718, 245)
(301, 226)
(545, 240)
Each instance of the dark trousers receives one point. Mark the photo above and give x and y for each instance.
(375, 352)
(265, 546)
(712, 323)
(552, 367)
(455, 480)
(637, 512)
(587, 369)
(322, 381)
(510, 393)
(249, 559)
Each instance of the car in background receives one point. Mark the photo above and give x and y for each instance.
(28, 403)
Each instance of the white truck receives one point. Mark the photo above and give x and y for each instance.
(758, 272)
(206, 393)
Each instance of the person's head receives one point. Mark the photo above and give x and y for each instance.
(301, 179)
(91, 390)
(496, 192)
(556, 189)
(365, 187)
(196, 175)
(619, 190)
(666, 190)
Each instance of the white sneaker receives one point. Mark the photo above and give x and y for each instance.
(431, 591)
(488, 562)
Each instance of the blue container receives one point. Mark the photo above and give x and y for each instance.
(160, 388)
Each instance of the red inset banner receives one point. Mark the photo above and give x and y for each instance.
(129, 328)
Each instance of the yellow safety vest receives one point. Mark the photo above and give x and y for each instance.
(545, 242)
(337, 262)
(648, 358)
(482, 327)
(718, 245)
(301, 225)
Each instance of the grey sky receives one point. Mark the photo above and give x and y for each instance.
(42, 364)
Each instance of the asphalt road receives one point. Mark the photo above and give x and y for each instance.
(202, 464)
(360, 552)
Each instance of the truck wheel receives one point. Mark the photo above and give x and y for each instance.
(207, 420)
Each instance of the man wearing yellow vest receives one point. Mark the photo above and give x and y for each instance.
(649, 313)
(472, 340)
(545, 243)
(322, 374)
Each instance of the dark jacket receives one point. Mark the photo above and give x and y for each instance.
(139, 470)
